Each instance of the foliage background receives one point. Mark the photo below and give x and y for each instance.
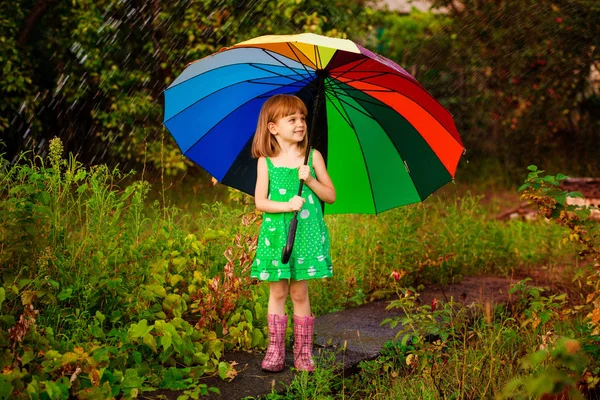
(517, 75)
(105, 292)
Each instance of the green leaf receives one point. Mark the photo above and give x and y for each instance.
(173, 379)
(201, 357)
(248, 315)
(131, 380)
(157, 290)
(97, 331)
(214, 347)
(137, 357)
(27, 357)
(150, 341)
(224, 370)
(6, 389)
(258, 311)
(171, 301)
(175, 279)
(257, 338)
(532, 168)
(166, 340)
(583, 213)
(561, 198)
(100, 317)
(140, 329)
(576, 195)
(65, 294)
(53, 390)
(2, 296)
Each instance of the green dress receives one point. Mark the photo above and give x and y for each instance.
(310, 258)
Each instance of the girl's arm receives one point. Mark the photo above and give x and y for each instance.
(322, 186)
(261, 191)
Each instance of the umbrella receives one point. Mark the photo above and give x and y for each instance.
(385, 140)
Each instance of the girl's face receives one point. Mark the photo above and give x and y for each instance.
(291, 128)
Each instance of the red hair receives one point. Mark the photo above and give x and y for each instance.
(278, 106)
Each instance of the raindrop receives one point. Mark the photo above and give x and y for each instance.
(61, 83)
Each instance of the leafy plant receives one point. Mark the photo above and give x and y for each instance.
(551, 200)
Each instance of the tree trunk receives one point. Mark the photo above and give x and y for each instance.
(32, 19)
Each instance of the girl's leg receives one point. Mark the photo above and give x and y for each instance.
(278, 292)
(304, 325)
(274, 360)
(299, 295)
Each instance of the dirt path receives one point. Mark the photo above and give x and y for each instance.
(359, 328)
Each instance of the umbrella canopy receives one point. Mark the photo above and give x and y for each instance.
(385, 140)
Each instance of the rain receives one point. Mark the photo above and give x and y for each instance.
(459, 190)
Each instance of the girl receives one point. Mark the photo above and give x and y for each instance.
(280, 144)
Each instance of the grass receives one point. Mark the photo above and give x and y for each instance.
(469, 351)
(115, 270)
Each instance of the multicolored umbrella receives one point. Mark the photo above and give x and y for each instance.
(386, 141)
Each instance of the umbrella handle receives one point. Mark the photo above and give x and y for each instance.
(289, 245)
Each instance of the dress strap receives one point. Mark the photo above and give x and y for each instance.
(310, 157)
(269, 163)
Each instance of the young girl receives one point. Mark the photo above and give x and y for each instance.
(280, 144)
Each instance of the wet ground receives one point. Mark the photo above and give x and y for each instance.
(359, 329)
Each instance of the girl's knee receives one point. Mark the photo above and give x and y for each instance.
(278, 292)
(299, 294)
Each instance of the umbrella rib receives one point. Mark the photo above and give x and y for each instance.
(297, 57)
(223, 88)
(267, 83)
(229, 65)
(407, 78)
(266, 70)
(361, 91)
(350, 105)
(377, 75)
(344, 115)
(357, 64)
(267, 94)
(424, 108)
(312, 84)
(268, 52)
(383, 90)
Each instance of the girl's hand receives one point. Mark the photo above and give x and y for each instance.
(296, 203)
(304, 173)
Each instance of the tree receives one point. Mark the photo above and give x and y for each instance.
(515, 74)
(93, 71)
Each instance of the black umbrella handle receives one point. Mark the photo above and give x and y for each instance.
(289, 245)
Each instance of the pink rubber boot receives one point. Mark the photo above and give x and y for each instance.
(274, 360)
(303, 343)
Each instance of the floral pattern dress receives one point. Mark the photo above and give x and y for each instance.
(310, 258)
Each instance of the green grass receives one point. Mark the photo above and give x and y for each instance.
(464, 351)
(150, 282)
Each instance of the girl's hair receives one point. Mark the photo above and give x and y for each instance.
(278, 106)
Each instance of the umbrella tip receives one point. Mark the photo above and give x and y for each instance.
(321, 73)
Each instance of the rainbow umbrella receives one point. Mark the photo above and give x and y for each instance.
(386, 141)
